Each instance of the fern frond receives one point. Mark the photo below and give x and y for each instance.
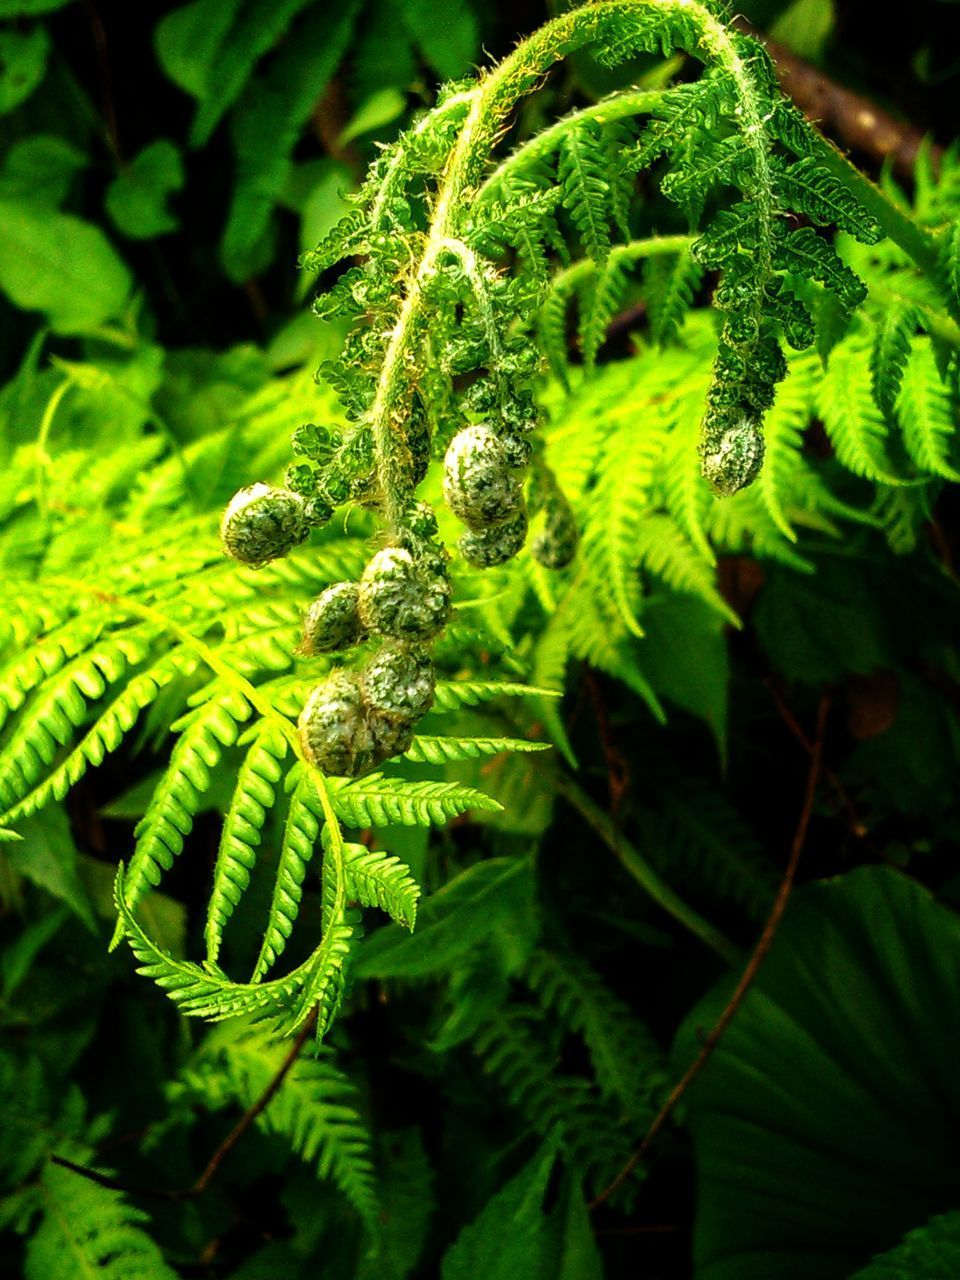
(160, 834)
(252, 799)
(453, 694)
(376, 801)
(90, 1230)
(584, 174)
(618, 510)
(853, 421)
(200, 992)
(516, 1049)
(300, 832)
(60, 705)
(927, 413)
(378, 879)
(890, 353)
(315, 1111)
(627, 1061)
(431, 749)
(105, 734)
(669, 287)
(662, 549)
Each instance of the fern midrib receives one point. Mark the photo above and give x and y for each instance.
(63, 1222)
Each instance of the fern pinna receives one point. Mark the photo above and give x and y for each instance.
(456, 268)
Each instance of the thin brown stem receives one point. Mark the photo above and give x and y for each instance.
(750, 972)
(618, 770)
(223, 1150)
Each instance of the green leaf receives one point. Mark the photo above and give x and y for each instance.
(188, 41)
(376, 801)
(684, 656)
(824, 1126)
(137, 199)
(266, 128)
(431, 749)
(48, 856)
(449, 43)
(23, 64)
(380, 109)
(55, 263)
(805, 26)
(930, 1252)
(378, 879)
(40, 169)
(29, 8)
(89, 1230)
(508, 1239)
(491, 895)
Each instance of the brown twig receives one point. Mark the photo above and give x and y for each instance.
(223, 1150)
(750, 972)
(856, 824)
(99, 34)
(618, 770)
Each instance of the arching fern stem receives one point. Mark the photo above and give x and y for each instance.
(489, 106)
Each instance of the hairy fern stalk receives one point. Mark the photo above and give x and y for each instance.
(457, 267)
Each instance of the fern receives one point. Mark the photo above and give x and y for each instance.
(378, 879)
(626, 1060)
(516, 1049)
(90, 1230)
(253, 798)
(315, 1111)
(378, 801)
(927, 413)
(300, 833)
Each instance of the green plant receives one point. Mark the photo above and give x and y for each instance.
(295, 723)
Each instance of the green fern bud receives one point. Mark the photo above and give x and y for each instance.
(334, 732)
(736, 460)
(478, 484)
(397, 598)
(390, 736)
(263, 523)
(301, 478)
(498, 543)
(398, 683)
(317, 443)
(332, 622)
(517, 450)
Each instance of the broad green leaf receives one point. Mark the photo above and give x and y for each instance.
(48, 856)
(58, 264)
(825, 1122)
(188, 41)
(23, 64)
(137, 199)
(508, 1240)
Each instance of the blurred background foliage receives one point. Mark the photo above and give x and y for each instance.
(162, 168)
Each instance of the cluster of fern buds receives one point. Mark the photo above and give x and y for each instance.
(354, 720)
